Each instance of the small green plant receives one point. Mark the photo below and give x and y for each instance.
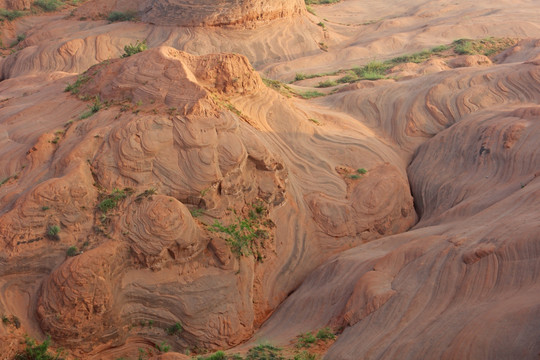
(45, 208)
(242, 234)
(327, 83)
(279, 87)
(196, 212)
(374, 70)
(349, 78)
(174, 329)
(10, 14)
(264, 352)
(111, 201)
(325, 334)
(37, 351)
(72, 251)
(321, 24)
(218, 355)
(116, 16)
(20, 38)
(487, 46)
(145, 194)
(15, 321)
(310, 10)
(92, 109)
(311, 94)
(300, 76)
(53, 231)
(314, 121)
(5, 319)
(309, 2)
(361, 171)
(132, 49)
(75, 87)
(463, 47)
(306, 340)
(305, 355)
(48, 5)
(163, 347)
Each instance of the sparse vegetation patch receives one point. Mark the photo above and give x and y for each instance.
(10, 14)
(132, 49)
(49, 5)
(242, 234)
(53, 232)
(116, 16)
(111, 201)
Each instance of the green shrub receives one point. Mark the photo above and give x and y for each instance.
(309, 2)
(361, 171)
(310, 94)
(304, 355)
(116, 16)
(49, 5)
(163, 347)
(10, 14)
(306, 340)
(374, 70)
(92, 109)
(416, 58)
(243, 232)
(53, 231)
(174, 329)
(327, 83)
(36, 351)
(325, 334)
(219, 355)
(264, 352)
(72, 251)
(75, 87)
(349, 78)
(133, 49)
(111, 201)
(463, 47)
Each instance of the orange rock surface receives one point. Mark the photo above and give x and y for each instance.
(174, 197)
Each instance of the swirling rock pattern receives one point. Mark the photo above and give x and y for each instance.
(176, 135)
(464, 280)
(182, 141)
(159, 228)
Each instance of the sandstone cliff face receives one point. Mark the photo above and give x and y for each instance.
(245, 13)
(212, 13)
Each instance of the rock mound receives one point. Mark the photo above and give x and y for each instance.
(172, 78)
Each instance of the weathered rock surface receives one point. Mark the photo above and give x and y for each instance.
(129, 173)
(467, 273)
(199, 13)
(173, 135)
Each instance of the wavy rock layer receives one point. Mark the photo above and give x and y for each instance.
(180, 141)
(464, 282)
